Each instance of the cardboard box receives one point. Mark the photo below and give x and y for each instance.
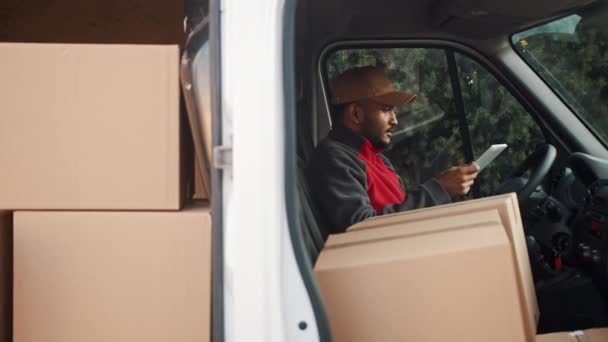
(112, 276)
(560, 337)
(89, 127)
(409, 228)
(452, 214)
(6, 276)
(596, 335)
(92, 21)
(452, 284)
(590, 335)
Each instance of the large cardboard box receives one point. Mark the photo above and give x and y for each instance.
(457, 283)
(590, 335)
(6, 275)
(112, 276)
(89, 127)
(452, 215)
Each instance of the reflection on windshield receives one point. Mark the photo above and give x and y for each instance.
(571, 55)
(566, 25)
(412, 125)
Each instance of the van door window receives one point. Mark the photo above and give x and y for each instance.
(427, 139)
(494, 116)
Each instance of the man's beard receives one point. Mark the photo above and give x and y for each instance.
(378, 143)
(375, 138)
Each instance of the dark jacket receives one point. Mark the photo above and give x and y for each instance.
(351, 181)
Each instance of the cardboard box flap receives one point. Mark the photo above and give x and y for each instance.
(412, 246)
(415, 227)
(470, 206)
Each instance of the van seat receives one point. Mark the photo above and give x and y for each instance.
(310, 222)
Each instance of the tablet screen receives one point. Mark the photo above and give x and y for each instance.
(489, 155)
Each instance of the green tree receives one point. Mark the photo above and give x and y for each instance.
(575, 64)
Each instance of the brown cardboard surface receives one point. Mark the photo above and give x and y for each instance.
(556, 337)
(596, 335)
(449, 285)
(92, 21)
(414, 227)
(89, 127)
(508, 209)
(432, 212)
(6, 275)
(112, 276)
(590, 335)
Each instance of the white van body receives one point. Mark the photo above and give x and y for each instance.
(265, 298)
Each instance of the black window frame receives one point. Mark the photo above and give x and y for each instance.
(203, 26)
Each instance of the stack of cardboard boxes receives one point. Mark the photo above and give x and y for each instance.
(94, 211)
(457, 272)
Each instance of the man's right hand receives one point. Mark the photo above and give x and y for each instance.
(458, 180)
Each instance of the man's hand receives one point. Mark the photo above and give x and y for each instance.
(458, 180)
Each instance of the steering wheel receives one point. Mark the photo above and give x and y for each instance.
(539, 163)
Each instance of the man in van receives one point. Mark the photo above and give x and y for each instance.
(349, 177)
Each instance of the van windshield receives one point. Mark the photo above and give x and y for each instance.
(571, 55)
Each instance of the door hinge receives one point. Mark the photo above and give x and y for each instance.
(222, 157)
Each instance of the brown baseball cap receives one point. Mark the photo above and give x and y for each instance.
(367, 82)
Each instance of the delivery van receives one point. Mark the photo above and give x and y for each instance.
(153, 171)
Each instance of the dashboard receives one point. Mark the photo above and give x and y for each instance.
(567, 228)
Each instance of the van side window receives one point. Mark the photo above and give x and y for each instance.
(494, 116)
(427, 139)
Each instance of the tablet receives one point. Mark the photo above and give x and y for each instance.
(489, 155)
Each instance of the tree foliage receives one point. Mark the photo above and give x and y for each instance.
(571, 54)
(429, 137)
(575, 64)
